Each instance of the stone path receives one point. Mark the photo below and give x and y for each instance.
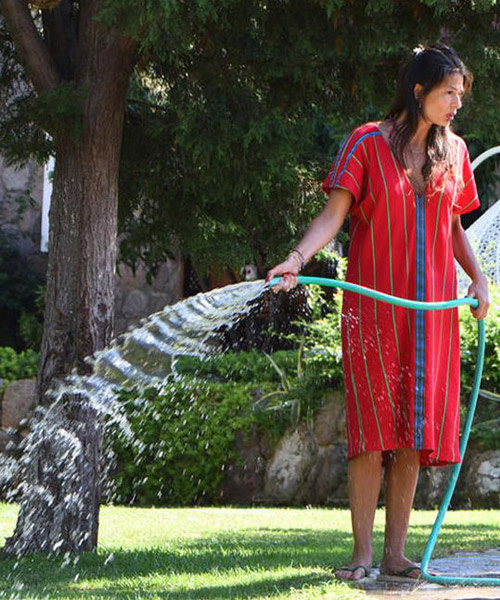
(465, 564)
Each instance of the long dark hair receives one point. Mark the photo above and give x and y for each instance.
(428, 67)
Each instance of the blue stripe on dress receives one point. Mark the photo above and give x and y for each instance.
(420, 326)
(334, 177)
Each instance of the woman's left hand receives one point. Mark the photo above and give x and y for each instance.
(479, 290)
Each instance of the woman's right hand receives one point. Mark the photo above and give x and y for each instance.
(288, 269)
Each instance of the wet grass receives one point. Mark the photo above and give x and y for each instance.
(222, 553)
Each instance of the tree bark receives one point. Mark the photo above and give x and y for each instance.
(60, 503)
(83, 222)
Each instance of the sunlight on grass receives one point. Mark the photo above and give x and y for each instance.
(222, 553)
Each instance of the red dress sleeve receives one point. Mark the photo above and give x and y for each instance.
(467, 198)
(349, 170)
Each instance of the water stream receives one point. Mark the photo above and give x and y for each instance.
(141, 358)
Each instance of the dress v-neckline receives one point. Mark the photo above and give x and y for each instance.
(416, 193)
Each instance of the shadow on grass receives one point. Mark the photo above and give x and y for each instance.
(244, 564)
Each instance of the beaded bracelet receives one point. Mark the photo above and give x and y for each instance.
(304, 261)
(298, 253)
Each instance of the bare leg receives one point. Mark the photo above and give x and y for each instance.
(401, 476)
(364, 472)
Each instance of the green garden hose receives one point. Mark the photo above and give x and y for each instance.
(364, 291)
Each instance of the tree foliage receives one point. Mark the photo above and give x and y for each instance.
(237, 108)
(232, 125)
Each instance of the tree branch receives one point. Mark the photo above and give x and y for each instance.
(33, 52)
(61, 38)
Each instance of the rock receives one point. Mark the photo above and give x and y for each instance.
(243, 483)
(17, 177)
(135, 298)
(329, 425)
(168, 280)
(30, 224)
(483, 480)
(290, 466)
(431, 487)
(331, 481)
(158, 301)
(135, 304)
(309, 466)
(19, 398)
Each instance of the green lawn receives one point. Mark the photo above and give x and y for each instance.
(227, 553)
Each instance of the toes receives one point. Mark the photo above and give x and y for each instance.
(414, 573)
(343, 574)
(357, 574)
(346, 575)
(350, 574)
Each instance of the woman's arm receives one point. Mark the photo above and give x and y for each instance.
(321, 230)
(464, 254)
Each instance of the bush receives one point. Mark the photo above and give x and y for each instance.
(185, 433)
(19, 295)
(245, 367)
(323, 339)
(14, 365)
(31, 322)
(183, 436)
(484, 434)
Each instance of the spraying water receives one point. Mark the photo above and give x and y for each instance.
(141, 358)
(484, 236)
(56, 455)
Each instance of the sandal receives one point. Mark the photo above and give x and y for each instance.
(403, 576)
(366, 572)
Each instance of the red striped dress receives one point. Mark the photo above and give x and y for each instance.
(401, 366)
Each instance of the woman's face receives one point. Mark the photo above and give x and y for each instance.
(442, 103)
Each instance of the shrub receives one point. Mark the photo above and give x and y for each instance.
(322, 338)
(19, 287)
(245, 367)
(185, 433)
(484, 434)
(183, 436)
(17, 365)
(31, 322)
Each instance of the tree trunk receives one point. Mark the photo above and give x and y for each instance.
(82, 258)
(60, 503)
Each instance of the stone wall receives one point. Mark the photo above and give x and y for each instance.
(135, 298)
(308, 465)
(21, 192)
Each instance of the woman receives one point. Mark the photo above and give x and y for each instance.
(404, 182)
